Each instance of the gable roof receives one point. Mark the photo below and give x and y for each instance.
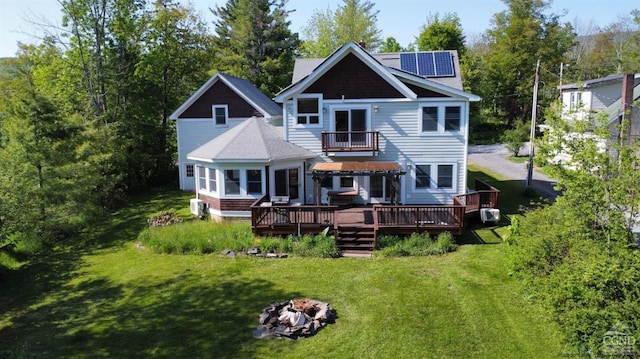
(303, 67)
(334, 58)
(243, 88)
(614, 110)
(253, 140)
(386, 65)
(595, 82)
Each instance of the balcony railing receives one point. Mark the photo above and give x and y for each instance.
(350, 141)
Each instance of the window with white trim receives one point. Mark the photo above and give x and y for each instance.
(307, 110)
(441, 118)
(232, 182)
(202, 178)
(423, 176)
(189, 170)
(254, 181)
(434, 177)
(452, 118)
(213, 180)
(575, 99)
(430, 119)
(220, 115)
(445, 176)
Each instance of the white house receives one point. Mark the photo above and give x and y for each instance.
(364, 128)
(612, 95)
(220, 104)
(375, 117)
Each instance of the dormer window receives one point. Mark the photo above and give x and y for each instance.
(220, 115)
(308, 110)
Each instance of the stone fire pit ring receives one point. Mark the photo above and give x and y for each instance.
(294, 318)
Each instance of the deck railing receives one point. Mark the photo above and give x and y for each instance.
(446, 216)
(484, 196)
(350, 141)
(264, 214)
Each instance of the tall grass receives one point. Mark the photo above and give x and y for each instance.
(198, 237)
(204, 237)
(418, 244)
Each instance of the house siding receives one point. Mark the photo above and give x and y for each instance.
(350, 78)
(193, 133)
(401, 142)
(220, 94)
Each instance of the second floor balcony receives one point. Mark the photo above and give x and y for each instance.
(351, 142)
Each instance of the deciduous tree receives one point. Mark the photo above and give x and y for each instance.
(327, 30)
(442, 34)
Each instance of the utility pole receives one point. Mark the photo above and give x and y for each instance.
(532, 135)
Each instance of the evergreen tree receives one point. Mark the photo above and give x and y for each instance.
(354, 21)
(253, 41)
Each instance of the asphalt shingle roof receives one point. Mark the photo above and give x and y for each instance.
(250, 91)
(254, 140)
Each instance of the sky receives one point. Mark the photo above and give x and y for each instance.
(401, 19)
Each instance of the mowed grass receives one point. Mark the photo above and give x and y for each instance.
(107, 297)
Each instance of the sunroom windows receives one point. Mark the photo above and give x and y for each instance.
(231, 182)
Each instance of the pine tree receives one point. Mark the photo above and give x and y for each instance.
(253, 41)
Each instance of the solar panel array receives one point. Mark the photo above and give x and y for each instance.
(428, 63)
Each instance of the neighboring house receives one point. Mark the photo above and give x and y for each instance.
(612, 95)
(389, 127)
(220, 104)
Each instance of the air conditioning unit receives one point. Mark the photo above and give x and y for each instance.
(197, 207)
(489, 215)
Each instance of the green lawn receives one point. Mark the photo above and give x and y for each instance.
(108, 298)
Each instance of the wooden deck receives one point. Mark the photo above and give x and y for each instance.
(359, 227)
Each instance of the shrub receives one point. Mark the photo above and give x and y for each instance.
(588, 284)
(416, 245)
(319, 245)
(514, 138)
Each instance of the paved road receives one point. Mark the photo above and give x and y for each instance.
(494, 158)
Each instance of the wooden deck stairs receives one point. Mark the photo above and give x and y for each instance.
(355, 241)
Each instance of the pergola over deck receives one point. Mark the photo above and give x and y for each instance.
(390, 170)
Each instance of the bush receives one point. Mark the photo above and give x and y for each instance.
(588, 284)
(416, 245)
(514, 138)
(319, 245)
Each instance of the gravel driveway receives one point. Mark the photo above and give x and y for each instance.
(494, 158)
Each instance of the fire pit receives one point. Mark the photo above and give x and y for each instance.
(294, 318)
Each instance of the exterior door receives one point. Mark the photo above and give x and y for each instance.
(380, 189)
(287, 183)
(352, 123)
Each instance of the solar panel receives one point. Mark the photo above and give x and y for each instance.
(444, 63)
(426, 66)
(408, 62)
(428, 63)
